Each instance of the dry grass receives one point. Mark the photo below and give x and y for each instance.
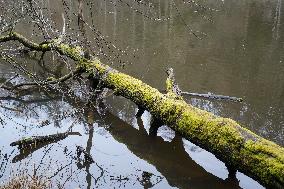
(26, 182)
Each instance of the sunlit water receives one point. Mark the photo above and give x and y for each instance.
(232, 48)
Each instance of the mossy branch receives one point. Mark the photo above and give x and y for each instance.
(235, 145)
(42, 139)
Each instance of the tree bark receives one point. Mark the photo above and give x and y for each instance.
(236, 146)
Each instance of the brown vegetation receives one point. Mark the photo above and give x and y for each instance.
(27, 182)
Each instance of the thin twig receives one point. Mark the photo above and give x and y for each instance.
(56, 81)
(213, 96)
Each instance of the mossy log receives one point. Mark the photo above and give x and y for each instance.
(31, 144)
(236, 146)
(42, 139)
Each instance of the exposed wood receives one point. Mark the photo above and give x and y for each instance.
(236, 146)
(171, 85)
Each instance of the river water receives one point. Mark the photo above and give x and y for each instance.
(233, 48)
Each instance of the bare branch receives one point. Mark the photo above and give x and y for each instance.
(8, 80)
(53, 81)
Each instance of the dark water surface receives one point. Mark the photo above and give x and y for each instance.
(224, 47)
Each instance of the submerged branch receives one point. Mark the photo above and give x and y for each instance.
(42, 139)
(213, 96)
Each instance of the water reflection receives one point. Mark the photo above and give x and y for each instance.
(161, 154)
(169, 158)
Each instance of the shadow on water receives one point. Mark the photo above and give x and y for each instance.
(170, 158)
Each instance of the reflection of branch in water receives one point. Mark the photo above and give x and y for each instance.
(102, 173)
(17, 123)
(184, 22)
(60, 169)
(32, 101)
(2, 122)
(22, 105)
(145, 180)
(4, 162)
(103, 44)
(141, 12)
(66, 180)
(54, 96)
(10, 109)
(8, 80)
(41, 161)
(120, 179)
(90, 119)
(51, 81)
(88, 159)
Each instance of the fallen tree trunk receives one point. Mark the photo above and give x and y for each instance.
(236, 146)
